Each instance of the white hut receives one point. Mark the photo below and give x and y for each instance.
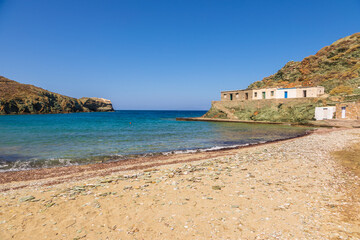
(324, 113)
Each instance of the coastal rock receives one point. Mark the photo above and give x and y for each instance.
(17, 98)
(94, 104)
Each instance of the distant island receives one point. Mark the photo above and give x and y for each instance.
(17, 98)
(331, 77)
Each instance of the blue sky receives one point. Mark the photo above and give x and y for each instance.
(162, 54)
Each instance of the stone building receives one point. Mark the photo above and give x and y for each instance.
(272, 93)
(348, 111)
(237, 95)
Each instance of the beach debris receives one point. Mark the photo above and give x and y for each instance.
(26, 198)
(132, 230)
(50, 204)
(96, 204)
(78, 238)
(250, 175)
(283, 207)
(107, 181)
(216, 187)
(194, 179)
(104, 194)
(79, 188)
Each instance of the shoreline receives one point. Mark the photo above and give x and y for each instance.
(137, 163)
(157, 154)
(291, 189)
(333, 123)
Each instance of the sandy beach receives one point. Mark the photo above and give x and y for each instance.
(293, 189)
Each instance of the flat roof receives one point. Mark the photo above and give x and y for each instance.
(241, 90)
(238, 90)
(298, 87)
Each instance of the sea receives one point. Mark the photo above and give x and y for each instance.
(50, 140)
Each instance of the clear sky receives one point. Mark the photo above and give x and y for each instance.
(162, 54)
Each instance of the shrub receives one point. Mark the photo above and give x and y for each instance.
(341, 90)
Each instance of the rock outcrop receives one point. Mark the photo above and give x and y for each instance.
(17, 98)
(333, 66)
(94, 104)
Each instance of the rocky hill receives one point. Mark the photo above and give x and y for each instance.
(336, 67)
(17, 98)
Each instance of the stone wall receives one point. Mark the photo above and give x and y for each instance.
(298, 110)
(263, 102)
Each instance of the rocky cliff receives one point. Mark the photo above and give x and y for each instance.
(334, 66)
(17, 98)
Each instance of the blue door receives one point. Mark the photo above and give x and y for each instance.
(286, 96)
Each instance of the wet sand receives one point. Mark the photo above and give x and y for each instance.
(292, 189)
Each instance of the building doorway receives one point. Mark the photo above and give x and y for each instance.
(325, 113)
(304, 93)
(263, 95)
(246, 96)
(231, 97)
(343, 112)
(286, 94)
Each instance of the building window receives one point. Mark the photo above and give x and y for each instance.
(255, 94)
(272, 93)
(237, 95)
(225, 96)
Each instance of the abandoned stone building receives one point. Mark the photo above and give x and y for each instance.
(348, 111)
(272, 93)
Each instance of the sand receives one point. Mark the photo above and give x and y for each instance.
(295, 189)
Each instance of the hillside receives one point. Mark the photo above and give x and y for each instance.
(334, 66)
(17, 98)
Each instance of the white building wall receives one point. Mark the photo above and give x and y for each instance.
(270, 93)
(280, 93)
(322, 113)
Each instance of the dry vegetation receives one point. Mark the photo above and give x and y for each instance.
(334, 65)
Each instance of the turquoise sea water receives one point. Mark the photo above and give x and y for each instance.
(32, 141)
